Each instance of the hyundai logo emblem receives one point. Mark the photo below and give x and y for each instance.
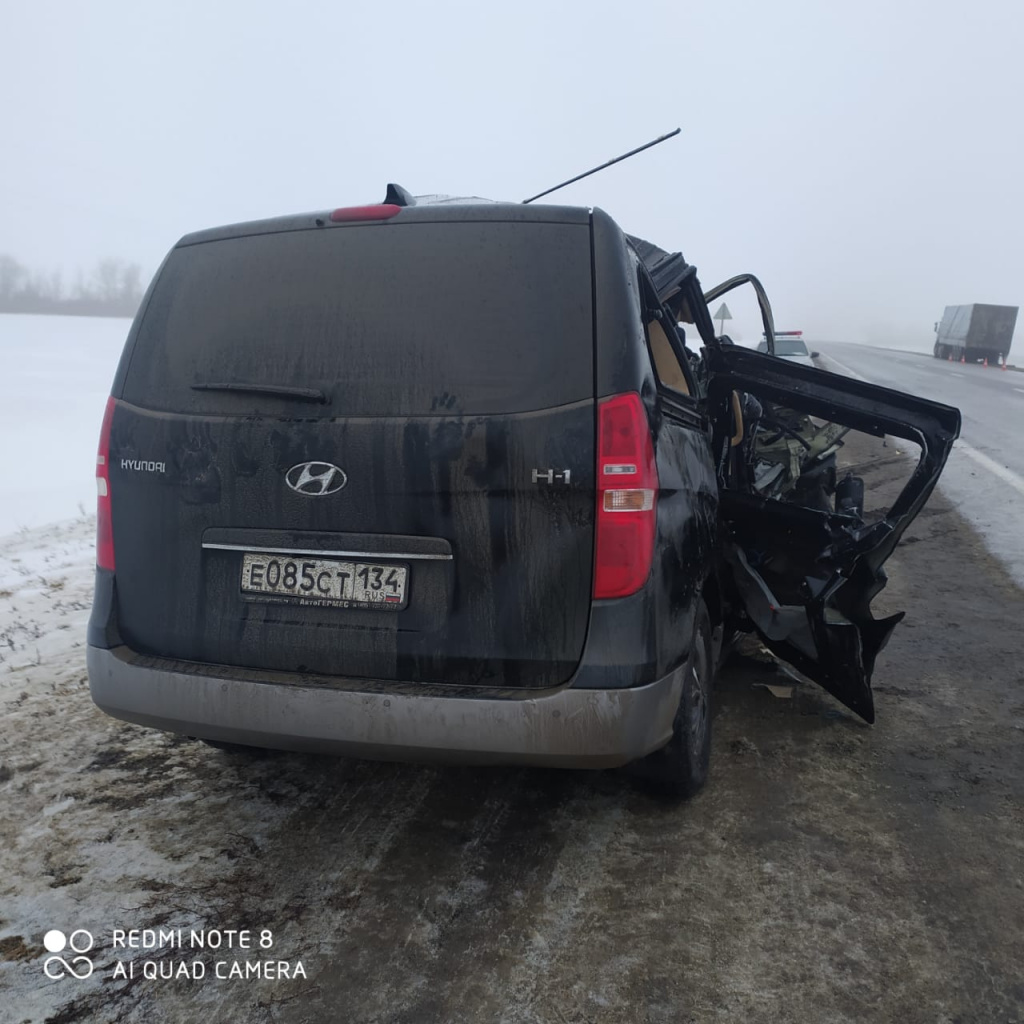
(315, 479)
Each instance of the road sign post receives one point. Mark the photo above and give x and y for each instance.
(721, 315)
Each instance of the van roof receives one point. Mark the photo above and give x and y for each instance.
(435, 211)
(666, 268)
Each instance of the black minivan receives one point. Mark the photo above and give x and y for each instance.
(450, 481)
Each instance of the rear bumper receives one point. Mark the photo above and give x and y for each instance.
(567, 727)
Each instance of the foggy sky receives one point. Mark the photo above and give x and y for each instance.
(862, 159)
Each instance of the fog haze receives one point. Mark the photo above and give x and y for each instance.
(863, 160)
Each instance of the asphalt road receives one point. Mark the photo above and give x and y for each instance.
(985, 473)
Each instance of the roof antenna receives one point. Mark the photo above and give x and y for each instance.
(594, 170)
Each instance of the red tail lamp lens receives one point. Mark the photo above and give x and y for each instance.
(627, 491)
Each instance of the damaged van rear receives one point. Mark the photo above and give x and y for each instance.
(416, 482)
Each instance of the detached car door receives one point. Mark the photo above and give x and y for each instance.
(798, 452)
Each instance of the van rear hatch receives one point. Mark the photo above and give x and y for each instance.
(363, 450)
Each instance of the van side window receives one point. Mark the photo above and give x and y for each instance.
(671, 373)
(666, 365)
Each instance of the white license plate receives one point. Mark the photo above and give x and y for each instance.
(325, 581)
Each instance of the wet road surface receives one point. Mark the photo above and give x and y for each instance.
(985, 473)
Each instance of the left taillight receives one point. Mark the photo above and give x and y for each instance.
(104, 526)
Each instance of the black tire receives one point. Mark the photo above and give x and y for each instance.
(680, 768)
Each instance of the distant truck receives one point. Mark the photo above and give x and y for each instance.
(975, 332)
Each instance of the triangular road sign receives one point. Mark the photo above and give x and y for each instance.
(723, 313)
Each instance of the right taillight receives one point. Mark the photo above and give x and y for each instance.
(104, 526)
(627, 492)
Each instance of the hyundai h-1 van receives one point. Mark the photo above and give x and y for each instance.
(473, 481)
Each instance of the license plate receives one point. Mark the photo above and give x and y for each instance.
(325, 581)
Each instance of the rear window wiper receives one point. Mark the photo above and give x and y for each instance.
(303, 394)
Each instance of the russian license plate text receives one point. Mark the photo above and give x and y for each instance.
(325, 581)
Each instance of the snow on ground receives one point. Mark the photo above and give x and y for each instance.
(45, 592)
(105, 825)
(56, 375)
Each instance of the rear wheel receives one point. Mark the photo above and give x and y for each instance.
(680, 768)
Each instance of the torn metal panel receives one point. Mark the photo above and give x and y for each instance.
(804, 560)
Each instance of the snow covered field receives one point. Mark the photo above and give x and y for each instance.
(56, 375)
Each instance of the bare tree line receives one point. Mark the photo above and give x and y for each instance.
(113, 288)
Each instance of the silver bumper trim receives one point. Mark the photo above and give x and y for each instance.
(572, 728)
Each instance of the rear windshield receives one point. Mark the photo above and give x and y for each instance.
(384, 320)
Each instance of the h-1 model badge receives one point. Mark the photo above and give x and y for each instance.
(549, 476)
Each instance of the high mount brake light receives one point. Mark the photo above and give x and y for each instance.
(380, 211)
(627, 491)
(104, 526)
